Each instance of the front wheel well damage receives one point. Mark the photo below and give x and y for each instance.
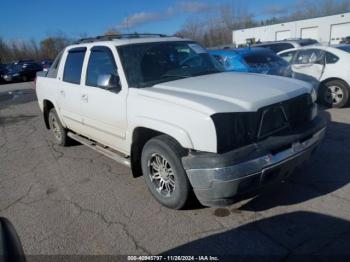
(141, 135)
(48, 105)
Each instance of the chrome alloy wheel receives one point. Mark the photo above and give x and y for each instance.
(161, 174)
(55, 127)
(333, 95)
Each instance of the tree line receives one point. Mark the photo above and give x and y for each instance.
(212, 28)
(47, 48)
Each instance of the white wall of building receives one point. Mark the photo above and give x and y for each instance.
(327, 29)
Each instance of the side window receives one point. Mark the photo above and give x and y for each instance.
(288, 56)
(310, 56)
(73, 65)
(101, 63)
(54, 67)
(331, 59)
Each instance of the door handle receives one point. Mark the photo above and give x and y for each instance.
(84, 97)
(62, 93)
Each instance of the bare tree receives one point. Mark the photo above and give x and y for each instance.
(51, 46)
(112, 31)
(192, 29)
(215, 28)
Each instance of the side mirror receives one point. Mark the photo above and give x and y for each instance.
(109, 82)
(10, 246)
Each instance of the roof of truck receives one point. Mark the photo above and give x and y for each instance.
(126, 39)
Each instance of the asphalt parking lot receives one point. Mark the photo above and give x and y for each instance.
(75, 201)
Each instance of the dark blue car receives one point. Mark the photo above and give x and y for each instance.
(253, 60)
(3, 71)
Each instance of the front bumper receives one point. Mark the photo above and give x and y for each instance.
(218, 179)
(10, 78)
(7, 78)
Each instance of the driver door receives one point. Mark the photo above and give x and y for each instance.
(309, 66)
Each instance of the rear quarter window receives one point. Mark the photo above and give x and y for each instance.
(331, 59)
(52, 73)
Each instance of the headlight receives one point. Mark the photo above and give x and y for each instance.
(234, 130)
(313, 95)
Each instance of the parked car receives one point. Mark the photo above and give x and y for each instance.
(22, 71)
(163, 106)
(345, 40)
(279, 46)
(344, 47)
(253, 60)
(22, 61)
(3, 71)
(46, 64)
(326, 67)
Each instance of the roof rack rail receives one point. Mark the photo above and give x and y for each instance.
(117, 36)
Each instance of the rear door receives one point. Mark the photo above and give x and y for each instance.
(69, 91)
(103, 110)
(309, 65)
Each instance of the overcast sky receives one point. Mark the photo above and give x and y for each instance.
(36, 19)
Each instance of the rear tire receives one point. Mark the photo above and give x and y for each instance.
(334, 93)
(59, 132)
(163, 171)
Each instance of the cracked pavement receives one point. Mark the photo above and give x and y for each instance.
(72, 200)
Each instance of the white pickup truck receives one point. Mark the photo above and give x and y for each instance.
(163, 106)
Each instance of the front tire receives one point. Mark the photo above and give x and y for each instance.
(163, 171)
(59, 132)
(335, 93)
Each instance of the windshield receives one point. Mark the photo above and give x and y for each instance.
(151, 63)
(345, 48)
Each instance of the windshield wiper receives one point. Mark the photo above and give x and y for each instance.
(176, 76)
(164, 79)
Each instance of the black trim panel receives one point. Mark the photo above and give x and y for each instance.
(204, 160)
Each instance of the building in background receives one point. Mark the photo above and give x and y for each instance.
(328, 29)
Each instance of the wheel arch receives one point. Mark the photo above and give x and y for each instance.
(47, 106)
(333, 79)
(140, 136)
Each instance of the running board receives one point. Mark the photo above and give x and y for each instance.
(99, 148)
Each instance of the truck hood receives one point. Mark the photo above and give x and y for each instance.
(228, 91)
